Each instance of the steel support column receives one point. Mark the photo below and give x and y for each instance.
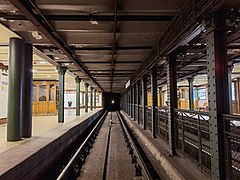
(134, 101)
(61, 72)
(190, 92)
(144, 100)
(91, 98)
(15, 89)
(128, 96)
(78, 81)
(160, 97)
(95, 98)
(154, 99)
(172, 101)
(218, 99)
(131, 99)
(230, 68)
(86, 96)
(138, 101)
(27, 91)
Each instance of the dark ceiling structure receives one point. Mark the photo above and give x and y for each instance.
(107, 43)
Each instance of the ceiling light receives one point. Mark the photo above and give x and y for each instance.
(36, 35)
(42, 62)
(34, 70)
(94, 22)
(49, 76)
(2, 19)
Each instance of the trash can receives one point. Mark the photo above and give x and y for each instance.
(69, 103)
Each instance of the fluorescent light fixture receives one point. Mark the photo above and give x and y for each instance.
(36, 35)
(49, 76)
(42, 62)
(94, 22)
(34, 70)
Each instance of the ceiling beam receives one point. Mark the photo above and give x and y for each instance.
(30, 10)
(114, 39)
(95, 17)
(46, 57)
(116, 62)
(100, 48)
(176, 32)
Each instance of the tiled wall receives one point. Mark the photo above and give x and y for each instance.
(3, 93)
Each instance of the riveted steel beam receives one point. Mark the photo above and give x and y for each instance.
(61, 72)
(95, 17)
(218, 100)
(178, 30)
(172, 101)
(33, 14)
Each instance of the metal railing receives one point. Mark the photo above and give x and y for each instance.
(232, 145)
(162, 123)
(193, 138)
(149, 117)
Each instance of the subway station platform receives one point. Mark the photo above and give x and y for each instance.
(171, 68)
(16, 157)
(41, 125)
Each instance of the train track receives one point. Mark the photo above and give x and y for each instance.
(124, 158)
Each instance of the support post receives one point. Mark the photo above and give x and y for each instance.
(15, 89)
(129, 101)
(134, 101)
(138, 101)
(172, 102)
(131, 97)
(154, 99)
(190, 92)
(78, 81)
(144, 100)
(86, 96)
(91, 98)
(230, 68)
(160, 97)
(218, 99)
(27, 91)
(61, 72)
(95, 99)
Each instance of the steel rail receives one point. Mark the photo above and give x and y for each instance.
(76, 155)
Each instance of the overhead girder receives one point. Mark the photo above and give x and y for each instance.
(96, 17)
(38, 19)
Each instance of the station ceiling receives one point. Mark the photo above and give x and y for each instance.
(108, 42)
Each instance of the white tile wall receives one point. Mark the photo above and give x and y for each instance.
(3, 94)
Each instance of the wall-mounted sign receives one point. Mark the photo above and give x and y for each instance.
(4, 81)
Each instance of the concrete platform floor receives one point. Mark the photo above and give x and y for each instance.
(41, 125)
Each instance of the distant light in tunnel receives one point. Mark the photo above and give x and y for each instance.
(113, 101)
